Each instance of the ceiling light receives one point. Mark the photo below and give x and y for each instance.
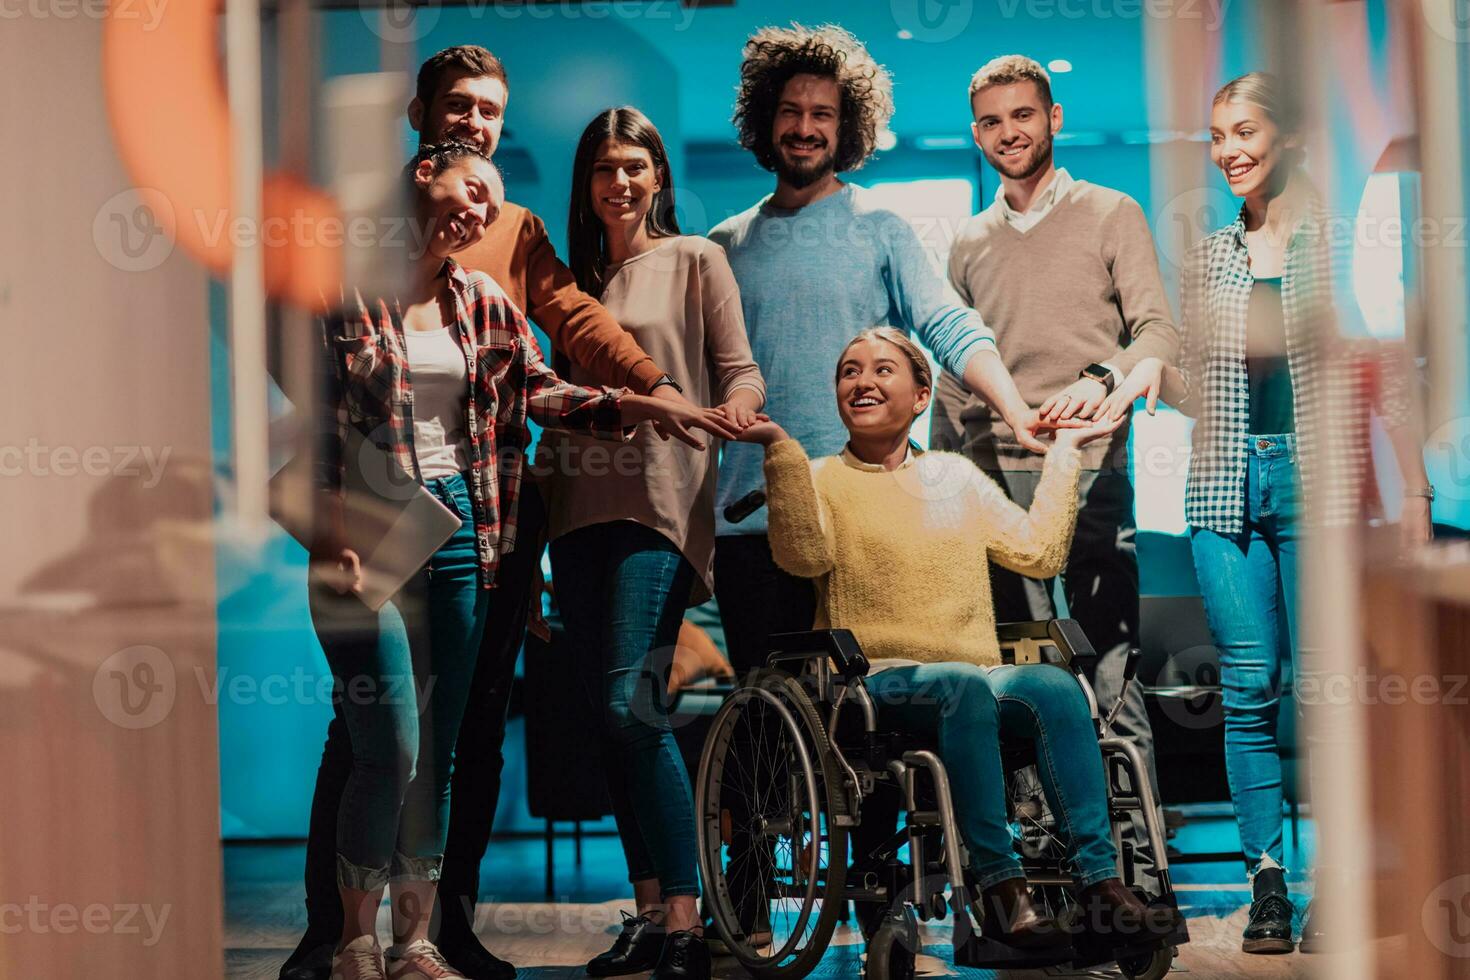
(1059, 66)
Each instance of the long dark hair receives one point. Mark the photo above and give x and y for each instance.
(586, 236)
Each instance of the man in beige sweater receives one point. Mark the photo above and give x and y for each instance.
(1066, 274)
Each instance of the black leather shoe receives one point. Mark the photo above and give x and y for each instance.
(686, 957)
(1314, 940)
(637, 948)
(311, 960)
(474, 960)
(1269, 928)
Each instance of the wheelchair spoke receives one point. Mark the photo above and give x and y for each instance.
(765, 834)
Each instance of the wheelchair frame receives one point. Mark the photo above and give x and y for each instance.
(830, 667)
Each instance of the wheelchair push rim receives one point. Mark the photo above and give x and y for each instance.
(767, 778)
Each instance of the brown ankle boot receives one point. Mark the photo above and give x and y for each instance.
(1110, 908)
(1010, 918)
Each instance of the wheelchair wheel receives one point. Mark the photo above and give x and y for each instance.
(771, 849)
(1147, 966)
(892, 953)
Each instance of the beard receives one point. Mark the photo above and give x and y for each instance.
(1028, 165)
(804, 173)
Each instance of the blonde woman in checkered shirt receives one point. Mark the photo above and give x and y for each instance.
(1282, 404)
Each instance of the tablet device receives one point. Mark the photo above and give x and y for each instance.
(393, 523)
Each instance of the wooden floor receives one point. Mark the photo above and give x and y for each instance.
(264, 914)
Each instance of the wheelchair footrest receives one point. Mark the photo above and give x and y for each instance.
(1092, 948)
(978, 952)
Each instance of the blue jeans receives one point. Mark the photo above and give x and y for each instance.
(968, 708)
(622, 589)
(402, 679)
(1248, 583)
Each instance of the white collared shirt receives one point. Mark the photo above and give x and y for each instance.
(1041, 205)
(857, 464)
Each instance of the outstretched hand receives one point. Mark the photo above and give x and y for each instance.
(1078, 436)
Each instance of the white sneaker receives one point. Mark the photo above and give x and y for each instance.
(361, 959)
(420, 960)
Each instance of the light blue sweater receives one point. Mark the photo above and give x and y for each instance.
(809, 280)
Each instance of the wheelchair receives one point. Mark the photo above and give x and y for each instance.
(795, 753)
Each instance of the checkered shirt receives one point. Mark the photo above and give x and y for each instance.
(367, 386)
(1335, 381)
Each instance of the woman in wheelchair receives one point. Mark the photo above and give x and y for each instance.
(898, 544)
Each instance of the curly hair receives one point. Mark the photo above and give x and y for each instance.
(774, 54)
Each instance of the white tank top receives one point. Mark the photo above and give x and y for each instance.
(440, 394)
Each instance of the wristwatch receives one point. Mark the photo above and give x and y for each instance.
(666, 380)
(1426, 491)
(1101, 375)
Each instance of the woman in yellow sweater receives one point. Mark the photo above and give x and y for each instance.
(898, 544)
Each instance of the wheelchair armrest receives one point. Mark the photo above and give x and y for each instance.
(839, 645)
(1064, 635)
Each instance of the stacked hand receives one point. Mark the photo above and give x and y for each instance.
(1087, 400)
(674, 416)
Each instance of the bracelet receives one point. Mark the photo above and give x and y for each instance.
(1426, 491)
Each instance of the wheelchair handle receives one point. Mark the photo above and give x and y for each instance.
(1130, 671)
(745, 506)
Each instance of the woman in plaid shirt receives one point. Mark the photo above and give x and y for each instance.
(1282, 403)
(443, 380)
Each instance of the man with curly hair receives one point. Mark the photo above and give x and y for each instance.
(817, 261)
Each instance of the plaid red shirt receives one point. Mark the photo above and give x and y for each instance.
(367, 386)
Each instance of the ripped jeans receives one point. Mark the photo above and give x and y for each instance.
(403, 676)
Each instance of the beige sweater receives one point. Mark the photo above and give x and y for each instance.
(1081, 287)
(900, 557)
(680, 302)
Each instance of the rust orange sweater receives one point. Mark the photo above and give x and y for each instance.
(516, 253)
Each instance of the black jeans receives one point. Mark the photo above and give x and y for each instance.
(756, 598)
(478, 758)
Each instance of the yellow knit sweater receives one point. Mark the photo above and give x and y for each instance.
(899, 557)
